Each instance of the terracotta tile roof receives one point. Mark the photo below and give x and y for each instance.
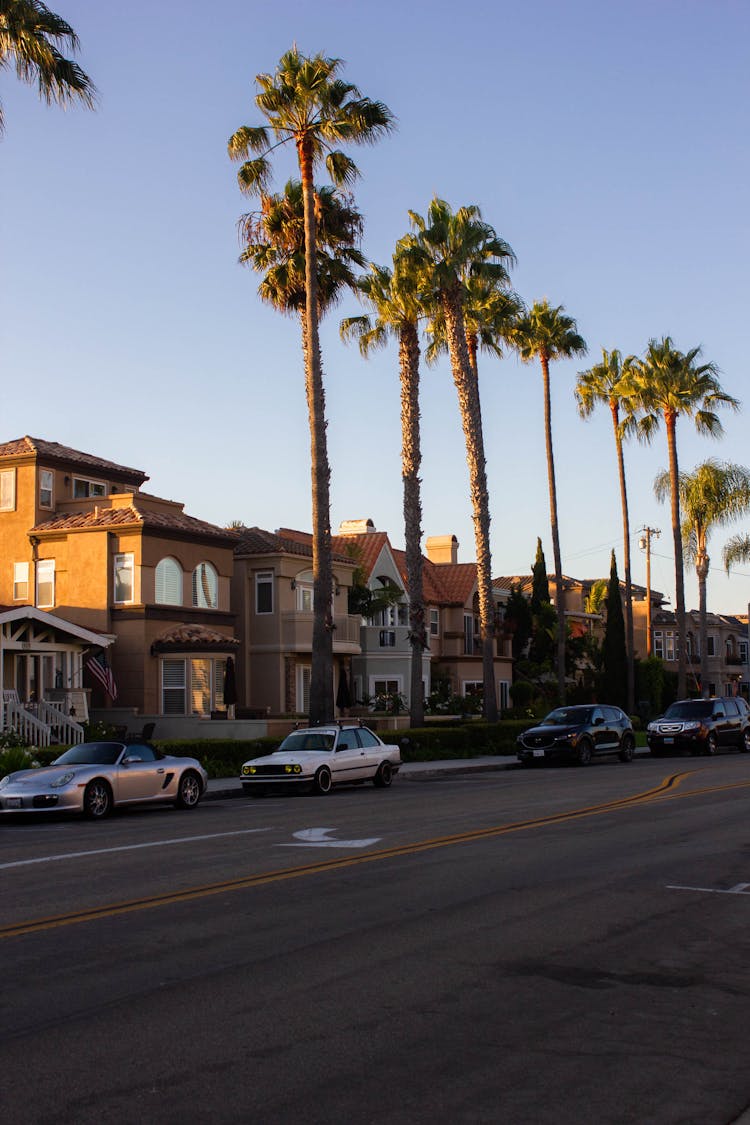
(364, 549)
(285, 541)
(193, 638)
(100, 517)
(53, 451)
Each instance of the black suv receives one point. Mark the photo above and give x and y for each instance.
(702, 726)
(578, 734)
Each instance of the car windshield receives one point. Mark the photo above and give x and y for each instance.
(690, 709)
(568, 716)
(303, 740)
(91, 754)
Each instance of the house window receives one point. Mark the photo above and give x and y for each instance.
(264, 593)
(45, 583)
(473, 687)
(503, 694)
(173, 687)
(304, 598)
(200, 686)
(387, 638)
(124, 569)
(468, 634)
(84, 488)
(711, 645)
(20, 582)
(402, 609)
(168, 582)
(383, 690)
(743, 652)
(434, 623)
(7, 490)
(46, 486)
(205, 586)
(304, 673)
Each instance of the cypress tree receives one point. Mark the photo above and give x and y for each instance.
(539, 582)
(614, 654)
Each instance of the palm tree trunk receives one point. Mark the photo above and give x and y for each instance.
(629, 636)
(559, 595)
(702, 563)
(321, 677)
(411, 459)
(670, 420)
(467, 387)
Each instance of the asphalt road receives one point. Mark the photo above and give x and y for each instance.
(556, 945)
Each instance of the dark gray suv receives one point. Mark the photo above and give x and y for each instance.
(702, 726)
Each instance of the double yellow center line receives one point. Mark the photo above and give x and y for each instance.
(666, 787)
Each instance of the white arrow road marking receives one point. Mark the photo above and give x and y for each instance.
(319, 838)
(737, 889)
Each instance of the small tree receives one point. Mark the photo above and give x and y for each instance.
(539, 580)
(614, 653)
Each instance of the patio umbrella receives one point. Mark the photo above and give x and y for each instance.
(230, 688)
(343, 698)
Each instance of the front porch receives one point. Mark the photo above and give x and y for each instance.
(41, 672)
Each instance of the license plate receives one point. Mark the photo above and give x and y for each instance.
(668, 741)
(13, 803)
(538, 753)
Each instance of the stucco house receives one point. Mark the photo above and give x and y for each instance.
(144, 581)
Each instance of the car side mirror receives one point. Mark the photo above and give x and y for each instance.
(598, 721)
(719, 715)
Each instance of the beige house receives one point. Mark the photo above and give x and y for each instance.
(727, 639)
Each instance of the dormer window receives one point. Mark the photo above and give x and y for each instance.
(83, 488)
(46, 488)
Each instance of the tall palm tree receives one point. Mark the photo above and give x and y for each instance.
(32, 39)
(305, 102)
(669, 384)
(491, 312)
(713, 495)
(447, 248)
(546, 333)
(392, 295)
(603, 384)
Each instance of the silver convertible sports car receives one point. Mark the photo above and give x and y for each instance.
(96, 777)
(318, 758)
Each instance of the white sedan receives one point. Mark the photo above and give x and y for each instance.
(321, 757)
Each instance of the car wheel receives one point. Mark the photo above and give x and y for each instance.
(583, 757)
(711, 744)
(627, 749)
(97, 799)
(188, 791)
(745, 742)
(383, 775)
(322, 781)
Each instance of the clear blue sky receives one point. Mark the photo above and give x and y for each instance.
(606, 142)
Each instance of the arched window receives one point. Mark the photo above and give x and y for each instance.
(205, 586)
(168, 582)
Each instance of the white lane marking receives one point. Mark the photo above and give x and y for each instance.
(737, 889)
(319, 838)
(130, 847)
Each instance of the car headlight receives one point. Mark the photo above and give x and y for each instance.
(651, 728)
(691, 726)
(296, 768)
(246, 769)
(60, 781)
(4, 781)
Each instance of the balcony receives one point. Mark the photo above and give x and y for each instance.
(297, 629)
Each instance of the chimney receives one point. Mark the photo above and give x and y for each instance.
(356, 527)
(442, 549)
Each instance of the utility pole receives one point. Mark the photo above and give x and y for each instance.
(645, 545)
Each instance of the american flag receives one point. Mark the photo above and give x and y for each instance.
(101, 671)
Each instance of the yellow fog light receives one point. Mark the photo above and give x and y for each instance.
(298, 769)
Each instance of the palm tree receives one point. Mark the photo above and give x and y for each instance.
(711, 496)
(491, 312)
(602, 384)
(392, 294)
(668, 384)
(546, 333)
(447, 248)
(306, 103)
(31, 38)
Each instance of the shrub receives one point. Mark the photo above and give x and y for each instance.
(15, 758)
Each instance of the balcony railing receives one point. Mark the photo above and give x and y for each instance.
(297, 628)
